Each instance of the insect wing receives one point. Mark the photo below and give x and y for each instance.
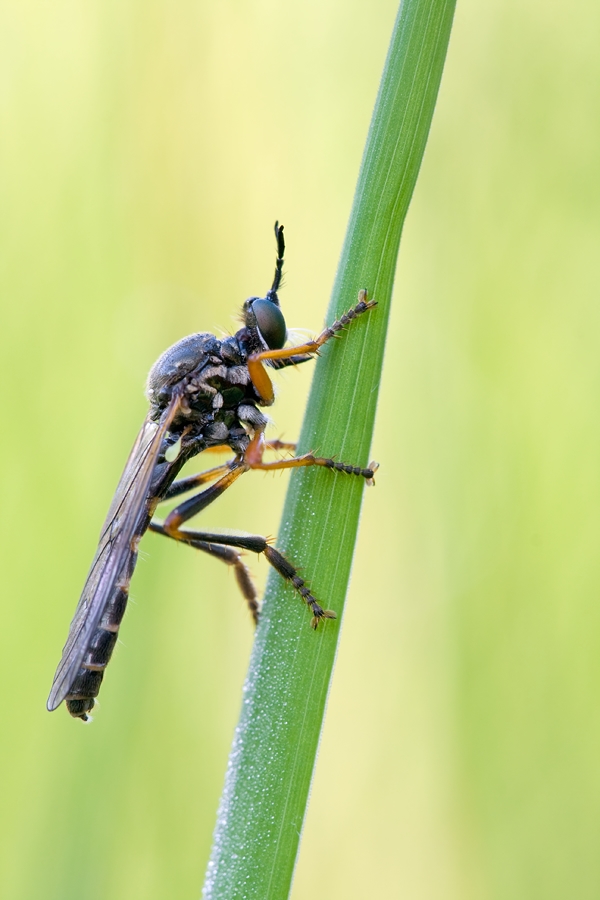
(114, 550)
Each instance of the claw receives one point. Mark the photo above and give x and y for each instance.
(373, 466)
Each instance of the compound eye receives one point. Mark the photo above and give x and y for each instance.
(270, 322)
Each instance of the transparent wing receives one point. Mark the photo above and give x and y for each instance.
(114, 551)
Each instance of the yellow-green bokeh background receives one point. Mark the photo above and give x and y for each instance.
(146, 149)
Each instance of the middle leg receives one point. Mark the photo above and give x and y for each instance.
(183, 485)
(253, 459)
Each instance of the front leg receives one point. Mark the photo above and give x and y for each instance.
(257, 371)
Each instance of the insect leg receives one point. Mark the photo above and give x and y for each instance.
(258, 374)
(280, 445)
(257, 544)
(171, 526)
(183, 485)
(200, 501)
(275, 444)
(228, 555)
(253, 459)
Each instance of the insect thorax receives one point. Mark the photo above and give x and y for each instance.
(219, 402)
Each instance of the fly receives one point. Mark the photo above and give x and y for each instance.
(205, 394)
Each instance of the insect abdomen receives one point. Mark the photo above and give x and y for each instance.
(86, 684)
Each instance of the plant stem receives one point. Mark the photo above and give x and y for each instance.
(273, 755)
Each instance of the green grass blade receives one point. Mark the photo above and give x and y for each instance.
(273, 754)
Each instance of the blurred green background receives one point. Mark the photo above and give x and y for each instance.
(146, 150)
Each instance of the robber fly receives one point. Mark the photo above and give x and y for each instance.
(204, 394)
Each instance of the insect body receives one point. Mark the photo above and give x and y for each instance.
(204, 393)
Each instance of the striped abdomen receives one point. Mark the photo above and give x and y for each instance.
(86, 684)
